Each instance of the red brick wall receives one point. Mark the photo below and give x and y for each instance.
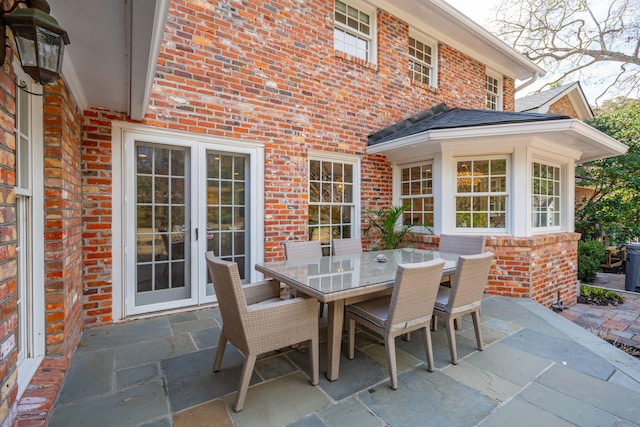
(63, 224)
(8, 296)
(271, 75)
(542, 268)
(97, 215)
(563, 106)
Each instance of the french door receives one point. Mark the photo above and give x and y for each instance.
(183, 198)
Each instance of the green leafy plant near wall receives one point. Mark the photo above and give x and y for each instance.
(385, 223)
(590, 255)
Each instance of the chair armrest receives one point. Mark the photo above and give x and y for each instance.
(260, 291)
(285, 313)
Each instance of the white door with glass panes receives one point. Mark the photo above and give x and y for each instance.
(187, 197)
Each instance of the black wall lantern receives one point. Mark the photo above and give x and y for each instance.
(39, 38)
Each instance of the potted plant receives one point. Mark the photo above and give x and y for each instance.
(386, 223)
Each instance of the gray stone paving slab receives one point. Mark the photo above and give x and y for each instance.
(566, 407)
(175, 319)
(193, 325)
(624, 380)
(519, 413)
(312, 420)
(355, 375)
(503, 308)
(138, 374)
(622, 361)
(609, 397)
(151, 351)
(563, 351)
(128, 407)
(279, 402)
(162, 422)
(274, 366)
(512, 364)
(485, 382)
(206, 338)
(441, 355)
(350, 412)
(126, 333)
(190, 381)
(427, 399)
(90, 374)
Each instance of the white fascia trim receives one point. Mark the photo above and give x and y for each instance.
(183, 135)
(507, 53)
(573, 126)
(72, 82)
(159, 25)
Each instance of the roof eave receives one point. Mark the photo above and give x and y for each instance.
(609, 147)
(445, 23)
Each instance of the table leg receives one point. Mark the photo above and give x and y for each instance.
(334, 338)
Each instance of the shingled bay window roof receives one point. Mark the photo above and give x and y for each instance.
(442, 117)
(423, 134)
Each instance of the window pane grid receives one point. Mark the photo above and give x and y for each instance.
(331, 204)
(493, 93)
(420, 61)
(545, 203)
(417, 193)
(352, 31)
(481, 194)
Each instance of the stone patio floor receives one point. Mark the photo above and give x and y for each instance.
(537, 369)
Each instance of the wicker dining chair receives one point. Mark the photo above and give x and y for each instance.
(256, 320)
(408, 308)
(346, 246)
(302, 250)
(461, 245)
(463, 297)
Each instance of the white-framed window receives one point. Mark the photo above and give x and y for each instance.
(333, 192)
(481, 194)
(422, 60)
(493, 91)
(354, 29)
(416, 191)
(546, 201)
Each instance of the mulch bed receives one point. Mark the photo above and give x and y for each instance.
(598, 301)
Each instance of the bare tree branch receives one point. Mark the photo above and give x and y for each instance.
(570, 37)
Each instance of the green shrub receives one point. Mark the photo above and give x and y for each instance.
(600, 296)
(590, 255)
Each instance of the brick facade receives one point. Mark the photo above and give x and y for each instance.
(252, 71)
(8, 265)
(563, 106)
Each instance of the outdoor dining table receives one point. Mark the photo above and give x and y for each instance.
(347, 279)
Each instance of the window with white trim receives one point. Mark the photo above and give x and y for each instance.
(354, 30)
(493, 92)
(545, 195)
(481, 194)
(331, 201)
(422, 56)
(416, 191)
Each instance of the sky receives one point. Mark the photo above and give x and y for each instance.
(483, 12)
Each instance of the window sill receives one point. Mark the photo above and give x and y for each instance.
(423, 86)
(366, 64)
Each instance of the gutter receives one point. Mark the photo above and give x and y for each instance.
(534, 77)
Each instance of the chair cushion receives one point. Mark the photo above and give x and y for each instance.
(268, 301)
(443, 298)
(375, 310)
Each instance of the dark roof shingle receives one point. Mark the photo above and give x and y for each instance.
(441, 117)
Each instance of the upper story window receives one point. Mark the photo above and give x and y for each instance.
(481, 194)
(354, 30)
(494, 91)
(545, 197)
(422, 58)
(416, 191)
(332, 208)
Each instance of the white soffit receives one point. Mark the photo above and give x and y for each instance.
(111, 60)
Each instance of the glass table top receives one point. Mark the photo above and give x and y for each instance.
(336, 273)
